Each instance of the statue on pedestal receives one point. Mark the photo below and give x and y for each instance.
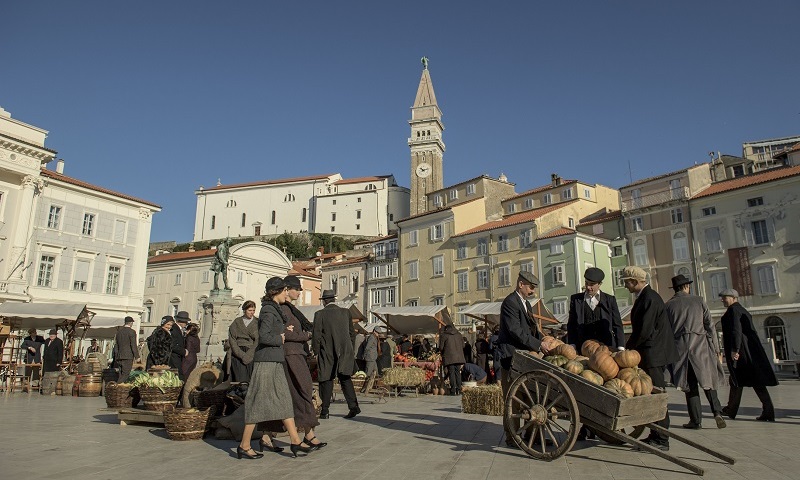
(220, 263)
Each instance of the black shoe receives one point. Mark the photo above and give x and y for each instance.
(720, 421)
(299, 448)
(727, 413)
(324, 416)
(314, 446)
(695, 426)
(664, 447)
(353, 412)
(765, 418)
(269, 446)
(246, 453)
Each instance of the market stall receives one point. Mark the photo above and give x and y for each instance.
(489, 313)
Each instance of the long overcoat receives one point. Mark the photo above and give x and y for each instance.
(696, 342)
(651, 334)
(753, 369)
(332, 342)
(452, 344)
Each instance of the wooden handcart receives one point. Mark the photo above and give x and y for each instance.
(545, 403)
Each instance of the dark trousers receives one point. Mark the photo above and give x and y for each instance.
(657, 374)
(326, 392)
(693, 398)
(125, 367)
(454, 374)
(735, 398)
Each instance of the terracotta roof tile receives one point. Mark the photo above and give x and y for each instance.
(748, 180)
(175, 256)
(268, 182)
(80, 183)
(517, 218)
(346, 181)
(557, 233)
(602, 218)
(540, 189)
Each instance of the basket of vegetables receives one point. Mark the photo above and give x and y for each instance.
(186, 423)
(159, 393)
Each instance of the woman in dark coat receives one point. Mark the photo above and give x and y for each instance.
(385, 358)
(297, 373)
(747, 361)
(192, 349)
(160, 343)
(53, 352)
(451, 343)
(242, 339)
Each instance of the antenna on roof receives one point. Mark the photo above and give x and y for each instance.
(630, 173)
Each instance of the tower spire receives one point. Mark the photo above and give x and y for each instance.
(425, 142)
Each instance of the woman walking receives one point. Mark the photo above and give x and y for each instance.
(192, 349)
(242, 339)
(268, 396)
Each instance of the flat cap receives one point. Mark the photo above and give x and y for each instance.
(292, 281)
(528, 277)
(594, 274)
(634, 273)
(729, 292)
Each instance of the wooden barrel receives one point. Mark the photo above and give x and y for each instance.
(67, 383)
(76, 385)
(49, 381)
(90, 386)
(60, 385)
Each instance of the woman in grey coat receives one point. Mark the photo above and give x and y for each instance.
(242, 339)
(268, 397)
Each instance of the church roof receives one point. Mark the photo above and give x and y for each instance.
(269, 182)
(80, 183)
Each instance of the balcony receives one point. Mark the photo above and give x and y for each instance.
(385, 256)
(658, 198)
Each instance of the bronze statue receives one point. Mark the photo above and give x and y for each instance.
(220, 263)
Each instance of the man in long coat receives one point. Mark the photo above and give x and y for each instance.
(332, 342)
(748, 363)
(652, 337)
(451, 343)
(125, 349)
(178, 350)
(697, 365)
(594, 314)
(53, 354)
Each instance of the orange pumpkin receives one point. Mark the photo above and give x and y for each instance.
(593, 377)
(589, 347)
(550, 343)
(604, 364)
(627, 358)
(620, 387)
(574, 367)
(640, 382)
(565, 350)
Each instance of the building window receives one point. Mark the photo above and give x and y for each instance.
(526, 267)
(767, 280)
(244, 219)
(680, 247)
(376, 296)
(120, 228)
(334, 284)
(178, 278)
(471, 189)
(640, 253)
(303, 215)
(559, 307)
(272, 219)
(709, 211)
(370, 187)
(567, 194)
(390, 270)
(333, 229)
(376, 271)
(483, 247)
(239, 277)
(88, 224)
(354, 283)
(439, 300)
(206, 276)
(112, 279)
(46, 267)
(461, 252)
(151, 281)
(413, 303)
(759, 232)
(54, 217)
(504, 276)
(556, 248)
(437, 200)
(502, 243)
(718, 283)
(81, 280)
(213, 222)
(558, 274)
(413, 237)
(587, 193)
(483, 279)
(453, 194)
(618, 281)
(571, 222)
(587, 246)
(525, 238)
(528, 203)
(358, 226)
(755, 202)
(437, 231)
(333, 216)
(713, 240)
(637, 223)
(512, 207)
(334, 201)
(413, 270)
(677, 215)
(547, 199)
(358, 214)
(438, 266)
(290, 198)
(463, 281)
(617, 251)
(358, 199)
(737, 170)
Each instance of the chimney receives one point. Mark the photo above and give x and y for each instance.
(60, 166)
(555, 179)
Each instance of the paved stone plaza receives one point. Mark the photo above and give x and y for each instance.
(426, 438)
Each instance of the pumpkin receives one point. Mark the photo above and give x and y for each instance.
(550, 343)
(557, 360)
(589, 347)
(574, 367)
(640, 382)
(565, 350)
(627, 358)
(583, 360)
(620, 387)
(593, 377)
(604, 364)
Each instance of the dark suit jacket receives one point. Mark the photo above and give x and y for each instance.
(53, 355)
(613, 334)
(126, 346)
(36, 342)
(332, 342)
(651, 334)
(517, 330)
(178, 347)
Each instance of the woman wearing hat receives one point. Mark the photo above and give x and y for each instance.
(268, 397)
(160, 343)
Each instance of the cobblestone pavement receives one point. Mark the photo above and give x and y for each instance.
(426, 437)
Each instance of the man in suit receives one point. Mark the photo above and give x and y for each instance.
(53, 354)
(178, 333)
(32, 347)
(125, 348)
(332, 342)
(652, 337)
(93, 347)
(518, 330)
(594, 315)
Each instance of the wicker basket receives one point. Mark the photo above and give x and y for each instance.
(118, 396)
(209, 398)
(154, 399)
(183, 424)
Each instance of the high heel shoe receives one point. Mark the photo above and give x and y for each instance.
(299, 448)
(315, 446)
(242, 452)
(269, 446)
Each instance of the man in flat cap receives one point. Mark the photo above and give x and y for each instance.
(748, 363)
(519, 329)
(698, 352)
(652, 337)
(125, 349)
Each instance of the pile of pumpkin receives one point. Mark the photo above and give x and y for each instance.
(617, 371)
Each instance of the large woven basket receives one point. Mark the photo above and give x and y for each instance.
(154, 399)
(118, 396)
(183, 424)
(209, 398)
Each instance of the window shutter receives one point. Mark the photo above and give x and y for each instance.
(771, 229)
(748, 235)
(431, 232)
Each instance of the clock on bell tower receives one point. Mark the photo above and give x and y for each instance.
(426, 144)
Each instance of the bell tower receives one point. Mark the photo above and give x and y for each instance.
(425, 142)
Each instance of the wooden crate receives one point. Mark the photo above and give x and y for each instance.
(596, 403)
(136, 415)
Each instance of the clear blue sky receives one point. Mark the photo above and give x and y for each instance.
(154, 99)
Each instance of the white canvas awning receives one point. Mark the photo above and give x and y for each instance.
(414, 320)
(310, 310)
(489, 312)
(364, 327)
(103, 327)
(43, 316)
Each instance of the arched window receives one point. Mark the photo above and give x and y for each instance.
(775, 329)
(640, 253)
(370, 187)
(288, 198)
(680, 247)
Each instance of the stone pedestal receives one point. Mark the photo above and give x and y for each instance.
(218, 312)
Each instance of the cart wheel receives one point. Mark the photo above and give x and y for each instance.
(633, 432)
(548, 413)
